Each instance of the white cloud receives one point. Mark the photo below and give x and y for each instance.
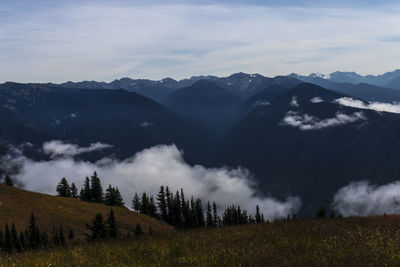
(261, 103)
(363, 199)
(307, 122)
(104, 40)
(58, 148)
(377, 106)
(147, 171)
(146, 124)
(294, 102)
(316, 100)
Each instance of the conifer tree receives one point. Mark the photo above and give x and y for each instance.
(1, 240)
(113, 197)
(162, 204)
(63, 189)
(177, 213)
(74, 191)
(138, 230)
(258, 215)
(8, 245)
(209, 217)
(136, 205)
(71, 234)
(8, 181)
(15, 240)
(96, 190)
(152, 209)
(111, 225)
(96, 229)
(22, 241)
(215, 215)
(169, 199)
(199, 213)
(61, 235)
(321, 213)
(33, 233)
(85, 194)
(144, 203)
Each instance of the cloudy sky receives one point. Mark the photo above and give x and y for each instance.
(57, 41)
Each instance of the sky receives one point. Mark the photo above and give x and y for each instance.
(59, 41)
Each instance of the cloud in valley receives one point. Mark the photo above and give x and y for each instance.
(147, 171)
(307, 122)
(362, 199)
(58, 148)
(377, 106)
(316, 100)
(294, 102)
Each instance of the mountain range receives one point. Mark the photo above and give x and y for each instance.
(305, 136)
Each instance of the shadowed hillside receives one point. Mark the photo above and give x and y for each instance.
(16, 206)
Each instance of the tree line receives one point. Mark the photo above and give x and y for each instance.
(180, 212)
(33, 237)
(174, 209)
(102, 229)
(92, 191)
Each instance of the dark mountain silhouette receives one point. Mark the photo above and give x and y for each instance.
(365, 91)
(313, 163)
(206, 103)
(128, 121)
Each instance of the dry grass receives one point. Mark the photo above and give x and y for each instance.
(16, 206)
(369, 241)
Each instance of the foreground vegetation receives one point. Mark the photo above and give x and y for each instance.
(316, 242)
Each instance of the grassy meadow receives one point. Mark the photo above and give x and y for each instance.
(358, 241)
(16, 206)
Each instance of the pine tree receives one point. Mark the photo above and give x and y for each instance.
(96, 229)
(186, 216)
(33, 235)
(119, 202)
(152, 208)
(136, 204)
(8, 181)
(1, 240)
(96, 190)
(144, 203)
(199, 213)
(162, 204)
(209, 217)
(61, 235)
(111, 225)
(22, 241)
(8, 245)
(177, 213)
(332, 214)
(74, 191)
(15, 240)
(215, 215)
(169, 199)
(138, 230)
(321, 213)
(71, 234)
(85, 194)
(258, 215)
(113, 197)
(63, 189)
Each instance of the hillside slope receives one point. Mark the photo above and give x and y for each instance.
(16, 206)
(128, 121)
(337, 147)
